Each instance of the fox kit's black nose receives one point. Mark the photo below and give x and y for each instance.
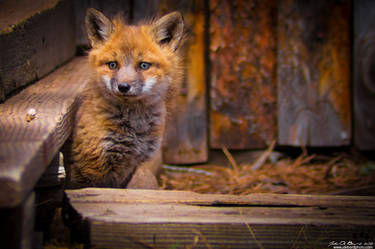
(124, 87)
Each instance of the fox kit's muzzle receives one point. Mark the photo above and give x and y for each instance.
(124, 87)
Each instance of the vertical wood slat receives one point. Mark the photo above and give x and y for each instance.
(364, 74)
(314, 106)
(185, 140)
(243, 73)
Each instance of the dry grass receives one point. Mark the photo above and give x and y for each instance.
(304, 174)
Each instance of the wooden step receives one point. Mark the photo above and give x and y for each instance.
(34, 39)
(121, 218)
(28, 144)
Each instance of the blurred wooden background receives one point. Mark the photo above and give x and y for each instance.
(296, 72)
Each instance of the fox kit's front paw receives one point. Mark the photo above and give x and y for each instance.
(143, 178)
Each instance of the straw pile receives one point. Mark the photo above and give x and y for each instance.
(305, 174)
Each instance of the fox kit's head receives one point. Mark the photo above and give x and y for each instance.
(135, 61)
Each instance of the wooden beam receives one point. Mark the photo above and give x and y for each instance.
(314, 57)
(130, 196)
(364, 74)
(162, 219)
(28, 144)
(34, 40)
(243, 73)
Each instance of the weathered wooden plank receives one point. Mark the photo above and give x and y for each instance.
(129, 196)
(109, 7)
(161, 213)
(364, 74)
(171, 235)
(34, 39)
(26, 148)
(314, 56)
(13, 14)
(185, 139)
(162, 219)
(243, 73)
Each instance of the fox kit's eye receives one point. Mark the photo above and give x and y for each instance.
(144, 65)
(112, 65)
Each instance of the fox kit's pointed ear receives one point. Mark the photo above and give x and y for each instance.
(169, 30)
(98, 27)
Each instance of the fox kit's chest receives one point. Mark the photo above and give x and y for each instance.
(134, 133)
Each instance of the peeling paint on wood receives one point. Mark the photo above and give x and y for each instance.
(314, 103)
(243, 73)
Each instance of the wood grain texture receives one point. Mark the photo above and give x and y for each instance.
(14, 13)
(223, 236)
(27, 148)
(314, 103)
(364, 74)
(185, 139)
(35, 42)
(243, 73)
(130, 196)
(161, 219)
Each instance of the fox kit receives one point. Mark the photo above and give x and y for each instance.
(119, 125)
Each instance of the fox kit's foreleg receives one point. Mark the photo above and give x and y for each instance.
(144, 176)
